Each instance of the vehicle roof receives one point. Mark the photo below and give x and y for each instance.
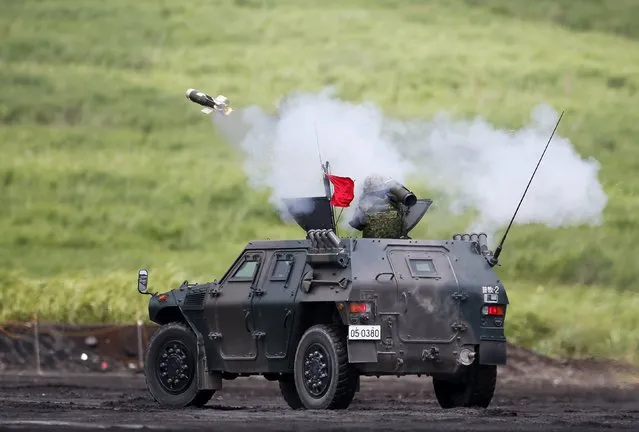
(305, 243)
(277, 244)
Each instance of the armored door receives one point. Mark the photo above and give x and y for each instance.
(273, 308)
(427, 290)
(232, 311)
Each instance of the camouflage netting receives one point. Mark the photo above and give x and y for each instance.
(384, 224)
(380, 216)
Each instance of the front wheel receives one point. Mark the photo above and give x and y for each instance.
(323, 377)
(475, 388)
(289, 392)
(171, 368)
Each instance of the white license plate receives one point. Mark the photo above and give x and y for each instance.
(364, 332)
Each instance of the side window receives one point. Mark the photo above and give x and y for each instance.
(281, 269)
(422, 267)
(246, 271)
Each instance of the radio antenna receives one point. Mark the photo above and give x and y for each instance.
(495, 258)
(319, 151)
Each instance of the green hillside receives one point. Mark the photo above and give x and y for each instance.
(105, 167)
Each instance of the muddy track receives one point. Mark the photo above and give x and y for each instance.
(93, 386)
(121, 402)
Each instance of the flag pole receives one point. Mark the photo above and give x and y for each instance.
(326, 172)
(327, 185)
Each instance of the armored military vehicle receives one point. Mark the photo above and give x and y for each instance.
(319, 312)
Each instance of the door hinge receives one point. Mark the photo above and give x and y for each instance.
(258, 334)
(460, 296)
(459, 327)
(258, 292)
(215, 335)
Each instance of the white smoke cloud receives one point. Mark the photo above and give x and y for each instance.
(471, 163)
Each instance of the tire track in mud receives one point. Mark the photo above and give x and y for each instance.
(534, 392)
(120, 402)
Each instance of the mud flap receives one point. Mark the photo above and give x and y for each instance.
(492, 353)
(362, 351)
(206, 380)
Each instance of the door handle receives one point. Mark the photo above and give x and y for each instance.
(390, 277)
(286, 317)
(246, 324)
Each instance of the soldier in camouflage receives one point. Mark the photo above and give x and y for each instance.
(377, 216)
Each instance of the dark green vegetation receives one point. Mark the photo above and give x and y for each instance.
(105, 167)
(606, 16)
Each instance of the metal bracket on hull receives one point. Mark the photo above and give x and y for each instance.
(460, 296)
(459, 327)
(308, 281)
(258, 334)
(431, 354)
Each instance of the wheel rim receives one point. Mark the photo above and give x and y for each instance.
(317, 370)
(175, 367)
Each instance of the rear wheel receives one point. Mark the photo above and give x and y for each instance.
(475, 389)
(323, 377)
(171, 368)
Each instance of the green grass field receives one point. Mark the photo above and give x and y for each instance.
(106, 168)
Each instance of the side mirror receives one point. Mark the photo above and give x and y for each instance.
(143, 279)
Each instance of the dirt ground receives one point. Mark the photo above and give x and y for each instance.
(104, 389)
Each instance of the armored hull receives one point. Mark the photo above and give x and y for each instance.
(395, 307)
(427, 297)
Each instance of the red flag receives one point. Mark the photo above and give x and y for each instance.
(344, 190)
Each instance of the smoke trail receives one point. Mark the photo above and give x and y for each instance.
(471, 163)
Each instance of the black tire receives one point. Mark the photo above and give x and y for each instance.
(322, 358)
(289, 392)
(474, 390)
(172, 348)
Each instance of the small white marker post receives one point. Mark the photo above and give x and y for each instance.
(140, 348)
(36, 343)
